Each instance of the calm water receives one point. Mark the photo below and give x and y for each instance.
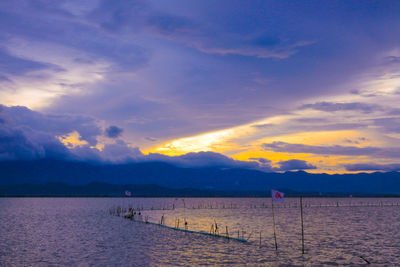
(81, 232)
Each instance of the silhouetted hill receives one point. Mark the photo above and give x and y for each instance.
(117, 190)
(166, 175)
(104, 189)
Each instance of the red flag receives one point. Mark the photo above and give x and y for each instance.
(277, 196)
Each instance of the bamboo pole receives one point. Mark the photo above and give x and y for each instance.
(273, 220)
(249, 236)
(216, 228)
(302, 225)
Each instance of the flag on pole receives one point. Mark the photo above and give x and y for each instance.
(128, 193)
(277, 196)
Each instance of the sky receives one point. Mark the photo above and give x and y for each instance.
(271, 85)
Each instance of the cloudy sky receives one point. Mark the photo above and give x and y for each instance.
(274, 85)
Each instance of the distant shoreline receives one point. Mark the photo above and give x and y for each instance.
(106, 196)
(105, 190)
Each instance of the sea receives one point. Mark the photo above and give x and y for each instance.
(88, 232)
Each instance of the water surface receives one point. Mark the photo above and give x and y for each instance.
(81, 232)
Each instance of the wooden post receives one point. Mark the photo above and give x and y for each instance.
(302, 225)
(249, 236)
(273, 220)
(216, 228)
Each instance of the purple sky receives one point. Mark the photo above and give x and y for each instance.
(279, 85)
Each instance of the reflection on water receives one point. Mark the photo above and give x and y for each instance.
(73, 231)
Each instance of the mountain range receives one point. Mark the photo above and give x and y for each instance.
(77, 173)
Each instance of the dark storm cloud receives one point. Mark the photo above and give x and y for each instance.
(20, 141)
(284, 165)
(261, 160)
(372, 167)
(53, 124)
(26, 134)
(121, 152)
(23, 143)
(203, 159)
(332, 107)
(118, 152)
(113, 131)
(294, 164)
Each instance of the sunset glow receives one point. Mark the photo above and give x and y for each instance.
(182, 81)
